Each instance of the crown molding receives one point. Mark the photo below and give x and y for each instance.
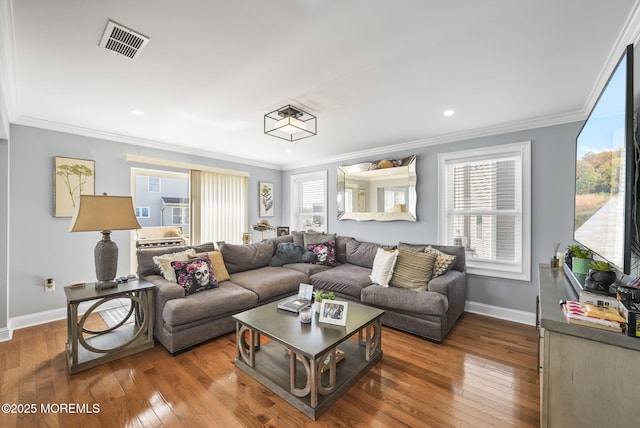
(630, 33)
(111, 136)
(449, 138)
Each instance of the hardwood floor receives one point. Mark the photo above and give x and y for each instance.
(483, 374)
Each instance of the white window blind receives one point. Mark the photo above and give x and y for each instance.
(309, 201)
(485, 199)
(218, 207)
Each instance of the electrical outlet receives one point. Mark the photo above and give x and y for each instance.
(49, 285)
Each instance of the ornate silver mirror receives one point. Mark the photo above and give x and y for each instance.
(383, 190)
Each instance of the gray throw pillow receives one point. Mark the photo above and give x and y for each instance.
(287, 252)
(318, 238)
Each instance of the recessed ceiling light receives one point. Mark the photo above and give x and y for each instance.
(288, 151)
(137, 112)
(448, 113)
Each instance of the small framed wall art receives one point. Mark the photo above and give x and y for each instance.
(72, 178)
(266, 200)
(333, 312)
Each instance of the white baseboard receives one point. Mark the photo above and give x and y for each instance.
(5, 334)
(514, 315)
(44, 317)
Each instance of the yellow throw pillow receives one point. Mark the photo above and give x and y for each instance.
(217, 264)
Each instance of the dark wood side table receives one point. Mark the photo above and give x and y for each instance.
(88, 348)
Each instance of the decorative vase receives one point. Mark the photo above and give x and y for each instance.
(580, 266)
(316, 307)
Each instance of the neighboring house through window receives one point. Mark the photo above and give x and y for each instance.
(485, 205)
(309, 201)
(143, 212)
(153, 184)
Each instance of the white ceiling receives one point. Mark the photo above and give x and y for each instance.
(377, 74)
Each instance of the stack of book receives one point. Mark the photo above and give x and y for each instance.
(605, 318)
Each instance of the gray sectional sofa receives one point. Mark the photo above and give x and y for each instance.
(184, 321)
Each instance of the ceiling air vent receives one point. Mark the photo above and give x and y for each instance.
(123, 41)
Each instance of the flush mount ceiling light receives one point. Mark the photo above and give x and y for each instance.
(290, 123)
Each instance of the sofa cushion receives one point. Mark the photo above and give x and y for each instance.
(280, 239)
(227, 299)
(324, 253)
(403, 300)
(341, 248)
(455, 250)
(383, 266)
(146, 265)
(298, 237)
(287, 252)
(345, 279)
(217, 264)
(239, 258)
(413, 270)
(195, 274)
(361, 253)
(307, 268)
(443, 262)
(270, 282)
(419, 248)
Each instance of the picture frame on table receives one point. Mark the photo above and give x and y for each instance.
(266, 200)
(333, 312)
(282, 230)
(72, 178)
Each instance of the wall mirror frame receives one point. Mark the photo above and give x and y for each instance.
(383, 190)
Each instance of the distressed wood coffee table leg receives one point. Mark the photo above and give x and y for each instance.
(247, 351)
(372, 340)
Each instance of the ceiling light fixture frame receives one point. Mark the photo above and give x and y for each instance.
(290, 123)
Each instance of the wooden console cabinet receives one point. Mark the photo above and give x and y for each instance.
(588, 377)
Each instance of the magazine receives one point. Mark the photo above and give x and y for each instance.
(301, 300)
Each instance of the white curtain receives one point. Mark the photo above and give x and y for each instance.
(219, 207)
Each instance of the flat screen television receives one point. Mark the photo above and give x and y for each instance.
(605, 197)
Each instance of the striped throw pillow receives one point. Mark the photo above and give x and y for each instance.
(413, 270)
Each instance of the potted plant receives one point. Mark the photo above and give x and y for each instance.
(581, 259)
(602, 273)
(319, 296)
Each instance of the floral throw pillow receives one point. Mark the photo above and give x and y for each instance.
(325, 253)
(195, 275)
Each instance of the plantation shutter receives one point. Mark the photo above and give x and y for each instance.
(309, 206)
(485, 210)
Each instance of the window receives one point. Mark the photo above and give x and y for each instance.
(485, 204)
(309, 201)
(179, 215)
(153, 184)
(143, 212)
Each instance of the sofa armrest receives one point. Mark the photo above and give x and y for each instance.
(450, 284)
(165, 291)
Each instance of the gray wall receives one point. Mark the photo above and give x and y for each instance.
(4, 232)
(41, 247)
(553, 166)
